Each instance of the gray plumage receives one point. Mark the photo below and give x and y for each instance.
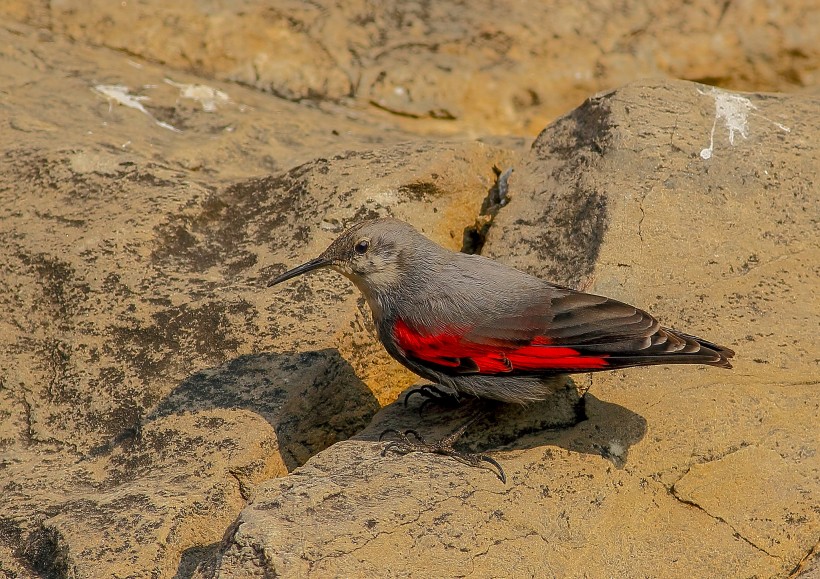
(483, 328)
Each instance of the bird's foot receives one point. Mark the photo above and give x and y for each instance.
(432, 394)
(444, 447)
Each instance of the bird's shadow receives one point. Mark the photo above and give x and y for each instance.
(571, 418)
(313, 399)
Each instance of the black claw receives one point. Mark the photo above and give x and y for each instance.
(442, 447)
(425, 391)
(410, 394)
(389, 430)
(431, 393)
(500, 474)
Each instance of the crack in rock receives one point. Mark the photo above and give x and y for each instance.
(735, 532)
(497, 197)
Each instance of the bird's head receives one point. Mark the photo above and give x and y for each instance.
(373, 254)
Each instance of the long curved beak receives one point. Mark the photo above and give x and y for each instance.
(299, 270)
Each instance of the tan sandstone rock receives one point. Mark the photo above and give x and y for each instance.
(678, 471)
(152, 387)
(149, 378)
(493, 67)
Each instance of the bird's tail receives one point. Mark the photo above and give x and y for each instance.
(670, 346)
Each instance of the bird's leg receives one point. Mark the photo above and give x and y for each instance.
(404, 445)
(432, 394)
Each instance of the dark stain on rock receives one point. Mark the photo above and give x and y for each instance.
(573, 238)
(170, 115)
(573, 224)
(301, 234)
(126, 412)
(112, 285)
(63, 384)
(47, 553)
(586, 129)
(152, 447)
(420, 191)
(200, 560)
(226, 227)
(10, 532)
(47, 215)
(146, 177)
(157, 349)
(278, 212)
(365, 213)
(62, 294)
(33, 170)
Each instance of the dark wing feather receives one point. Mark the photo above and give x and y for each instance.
(596, 326)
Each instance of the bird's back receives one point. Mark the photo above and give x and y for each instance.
(469, 315)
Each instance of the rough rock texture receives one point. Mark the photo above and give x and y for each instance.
(149, 380)
(489, 66)
(152, 387)
(723, 465)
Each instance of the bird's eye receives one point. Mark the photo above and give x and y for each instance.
(361, 246)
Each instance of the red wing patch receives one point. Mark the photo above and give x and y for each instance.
(450, 351)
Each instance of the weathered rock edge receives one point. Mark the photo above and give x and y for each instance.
(636, 169)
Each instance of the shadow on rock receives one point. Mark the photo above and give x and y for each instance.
(571, 419)
(312, 399)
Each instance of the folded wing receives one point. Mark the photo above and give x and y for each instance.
(564, 332)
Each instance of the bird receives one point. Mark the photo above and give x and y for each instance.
(478, 327)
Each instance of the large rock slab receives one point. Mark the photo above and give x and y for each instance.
(504, 65)
(149, 378)
(696, 204)
(149, 381)
(66, 96)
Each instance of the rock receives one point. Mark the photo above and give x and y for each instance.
(502, 67)
(621, 196)
(150, 379)
(152, 388)
(178, 482)
(736, 489)
(55, 86)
